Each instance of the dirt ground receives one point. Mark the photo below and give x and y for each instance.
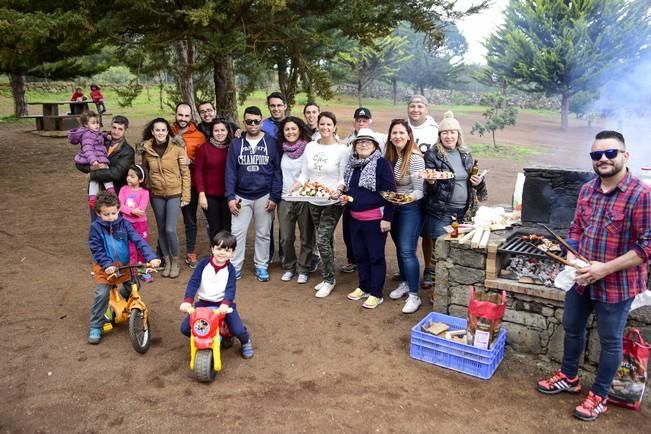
(320, 365)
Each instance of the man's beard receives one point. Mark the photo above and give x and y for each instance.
(613, 170)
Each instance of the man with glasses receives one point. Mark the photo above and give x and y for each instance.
(253, 188)
(277, 110)
(612, 229)
(208, 114)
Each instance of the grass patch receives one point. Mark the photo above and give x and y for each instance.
(502, 152)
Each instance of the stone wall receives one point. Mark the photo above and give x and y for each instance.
(532, 320)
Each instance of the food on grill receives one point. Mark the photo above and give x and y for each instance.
(397, 198)
(435, 174)
(544, 244)
(314, 189)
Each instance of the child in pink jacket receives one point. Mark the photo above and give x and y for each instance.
(92, 154)
(133, 206)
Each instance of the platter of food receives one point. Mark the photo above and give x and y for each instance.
(396, 198)
(313, 192)
(435, 174)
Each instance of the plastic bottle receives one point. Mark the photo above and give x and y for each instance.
(455, 228)
(645, 175)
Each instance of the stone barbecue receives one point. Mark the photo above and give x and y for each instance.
(534, 311)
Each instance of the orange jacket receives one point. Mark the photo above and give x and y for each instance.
(192, 137)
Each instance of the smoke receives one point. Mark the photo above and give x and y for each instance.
(625, 106)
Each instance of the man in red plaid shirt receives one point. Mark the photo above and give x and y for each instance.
(612, 229)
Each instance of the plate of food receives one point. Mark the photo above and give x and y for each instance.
(436, 174)
(396, 198)
(314, 192)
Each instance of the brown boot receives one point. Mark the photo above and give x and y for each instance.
(168, 266)
(176, 269)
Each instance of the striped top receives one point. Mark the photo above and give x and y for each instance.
(411, 183)
(608, 225)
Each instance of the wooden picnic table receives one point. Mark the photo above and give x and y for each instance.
(53, 120)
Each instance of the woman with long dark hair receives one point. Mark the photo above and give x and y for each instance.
(169, 187)
(293, 137)
(210, 176)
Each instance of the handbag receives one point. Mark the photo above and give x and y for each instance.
(627, 388)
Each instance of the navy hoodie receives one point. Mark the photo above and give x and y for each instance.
(251, 175)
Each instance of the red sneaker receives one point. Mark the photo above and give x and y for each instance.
(591, 408)
(191, 260)
(558, 383)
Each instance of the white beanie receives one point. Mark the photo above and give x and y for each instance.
(449, 123)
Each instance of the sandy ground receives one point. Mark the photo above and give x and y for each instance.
(320, 365)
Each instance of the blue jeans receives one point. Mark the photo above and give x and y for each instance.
(233, 321)
(434, 225)
(611, 320)
(405, 229)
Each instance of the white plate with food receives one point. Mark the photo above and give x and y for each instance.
(397, 198)
(436, 174)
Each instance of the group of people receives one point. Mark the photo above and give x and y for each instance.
(95, 95)
(236, 176)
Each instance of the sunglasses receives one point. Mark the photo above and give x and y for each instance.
(609, 153)
(252, 121)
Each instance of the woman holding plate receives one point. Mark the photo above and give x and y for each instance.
(407, 161)
(324, 161)
(451, 190)
(367, 174)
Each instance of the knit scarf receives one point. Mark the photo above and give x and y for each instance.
(369, 169)
(218, 145)
(294, 150)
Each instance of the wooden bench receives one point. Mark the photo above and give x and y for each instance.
(57, 123)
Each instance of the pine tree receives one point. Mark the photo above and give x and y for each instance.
(563, 47)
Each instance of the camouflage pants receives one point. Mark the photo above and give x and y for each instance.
(325, 221)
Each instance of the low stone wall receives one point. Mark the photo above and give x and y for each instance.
(532, 319)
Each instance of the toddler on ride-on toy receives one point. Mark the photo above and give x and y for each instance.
(108, 240)
(213, 285)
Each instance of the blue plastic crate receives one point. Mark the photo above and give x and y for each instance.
(453, 355)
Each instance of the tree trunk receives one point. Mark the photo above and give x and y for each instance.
(17, 82)
(225, 91)
(422, 90)
(565, 109)
(359, 92)
(184, 62)
(394, 90)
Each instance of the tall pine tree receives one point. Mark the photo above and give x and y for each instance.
(563, 47)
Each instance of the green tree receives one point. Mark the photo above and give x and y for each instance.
(433, 67)
(499, 114)
(562, 47)
(48, 39)
(369, 63)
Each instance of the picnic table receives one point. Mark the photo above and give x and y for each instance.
(53, 119)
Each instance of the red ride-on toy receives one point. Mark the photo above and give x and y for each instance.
(209, 333)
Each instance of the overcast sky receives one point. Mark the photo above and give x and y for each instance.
(478, 27)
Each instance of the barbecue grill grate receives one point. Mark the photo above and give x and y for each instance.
(515, 245)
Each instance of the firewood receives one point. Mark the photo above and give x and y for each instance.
(464, 239)
(484, 239)
(476, 239)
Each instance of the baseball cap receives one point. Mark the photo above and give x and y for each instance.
(362, 112)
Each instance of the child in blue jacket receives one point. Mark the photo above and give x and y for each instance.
(108, 240)
(213, 284)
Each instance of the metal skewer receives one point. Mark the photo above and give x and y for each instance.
(564, 243)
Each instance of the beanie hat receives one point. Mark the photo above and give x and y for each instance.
(449, 123)
(418, 98)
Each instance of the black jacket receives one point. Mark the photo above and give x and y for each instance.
(439, 194)
(119, 162)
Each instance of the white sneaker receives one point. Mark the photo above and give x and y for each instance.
(399, 292)
(412, 304)
(325, 290)
(287, 276)
(302, 278)
(318, 286)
